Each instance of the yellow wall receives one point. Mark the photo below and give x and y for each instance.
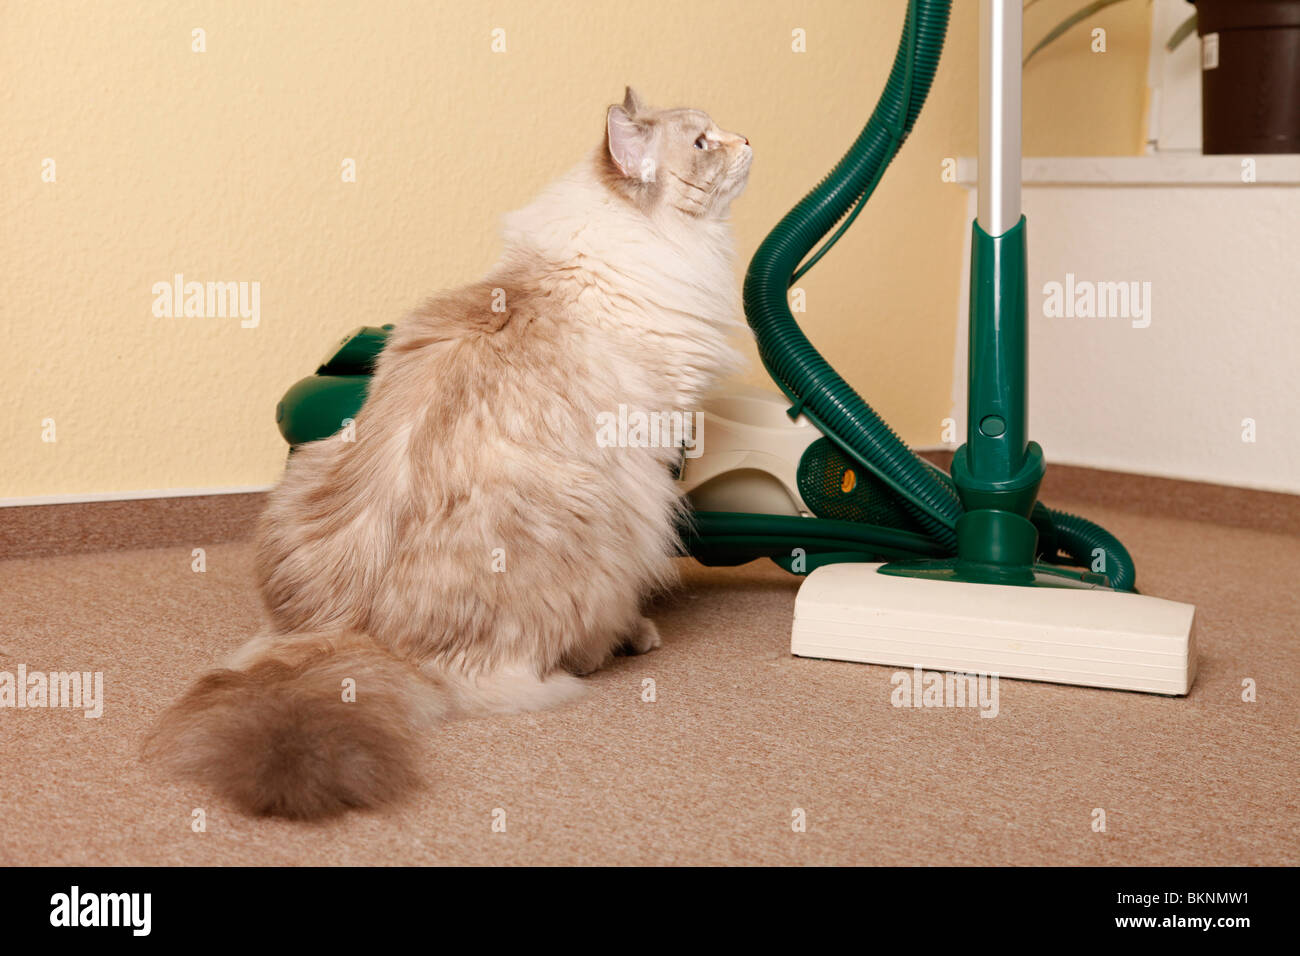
(225, 165)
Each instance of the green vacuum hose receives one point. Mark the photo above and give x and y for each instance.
(817, 391)
(807, 379)
(1081, 539)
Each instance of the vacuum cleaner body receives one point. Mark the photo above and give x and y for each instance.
(751, 456)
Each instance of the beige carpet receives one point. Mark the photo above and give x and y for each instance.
(740, 735)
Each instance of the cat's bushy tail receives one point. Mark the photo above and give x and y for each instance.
(309, 726)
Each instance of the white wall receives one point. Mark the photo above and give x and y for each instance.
(1223, 260)
(1174, 82)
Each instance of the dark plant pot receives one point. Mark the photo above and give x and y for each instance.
(1250, 75)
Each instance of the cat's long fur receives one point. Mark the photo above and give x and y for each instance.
(376, 557)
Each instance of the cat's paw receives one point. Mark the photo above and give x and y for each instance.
(645, 639)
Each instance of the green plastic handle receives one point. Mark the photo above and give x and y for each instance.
(998, 467)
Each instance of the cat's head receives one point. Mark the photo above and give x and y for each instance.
(674, 161)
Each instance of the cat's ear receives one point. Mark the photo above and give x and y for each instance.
(629, 144)
(632, 104)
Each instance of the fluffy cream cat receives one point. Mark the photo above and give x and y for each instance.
(476, 547)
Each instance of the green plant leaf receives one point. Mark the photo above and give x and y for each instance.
(1069, 22)
(1185, 29)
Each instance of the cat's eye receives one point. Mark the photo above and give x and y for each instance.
(702, 141)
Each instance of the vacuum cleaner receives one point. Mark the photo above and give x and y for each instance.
(905, 565)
